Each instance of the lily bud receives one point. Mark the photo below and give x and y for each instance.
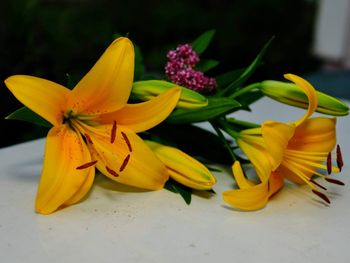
(148, 89)
(290, 94)
(183, 168)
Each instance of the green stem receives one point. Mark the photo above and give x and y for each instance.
(225, 126)
(245, 124)
(244, 90)
(222, 138)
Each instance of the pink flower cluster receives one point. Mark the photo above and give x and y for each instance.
(180, 70)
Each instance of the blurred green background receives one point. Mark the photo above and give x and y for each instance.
(49, 38)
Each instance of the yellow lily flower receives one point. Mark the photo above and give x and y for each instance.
(293, 151)
(93, 126)
(183, 168)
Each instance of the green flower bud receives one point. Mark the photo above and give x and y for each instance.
(290, 94)
(148, 89)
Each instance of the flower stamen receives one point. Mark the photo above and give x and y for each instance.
(334, 181)
(114, 131)
(340, 162)
(322, 196)
(124, 164)
(86, 165)
(317, 184)
(126, 139)
(329, 163)
(112, 172)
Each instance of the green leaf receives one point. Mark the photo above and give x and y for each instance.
(25, 114)
(248, 71)
(206, 64)
(203, 41)
(228, 77)
(175, 187)
(139, 66)
(215, 108)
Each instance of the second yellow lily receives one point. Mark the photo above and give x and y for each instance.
(293, 151)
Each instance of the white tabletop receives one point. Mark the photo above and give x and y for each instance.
(115, 224)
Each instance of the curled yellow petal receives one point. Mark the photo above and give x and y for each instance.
(107, 86)
(143, 116)
(309, 92)
(249, 196)
(183, 168)
(42, 96)
(65, 150)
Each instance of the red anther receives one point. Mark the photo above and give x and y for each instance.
(320, 186)
(322, 196)
(329, 163)
(124, 164)
(86, 165)
(88, 138)
(126, 141)
(114, 131)
(340, 162)
(334, 181)
(112, 172)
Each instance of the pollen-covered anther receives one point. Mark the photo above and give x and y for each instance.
(88, 138)
(114, 131)
(86, 165)
(334, 181)
(126, 139)
(340, 162)
(112, 172)
(317, 184)
(125, 163)
(329, 163)
(322, 196)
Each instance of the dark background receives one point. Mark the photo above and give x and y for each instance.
(49, 38)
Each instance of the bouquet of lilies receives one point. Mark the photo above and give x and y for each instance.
(140, 131)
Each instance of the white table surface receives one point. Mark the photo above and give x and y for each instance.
(116, 225)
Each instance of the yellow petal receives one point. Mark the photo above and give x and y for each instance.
(65, 150)
(276, 136)
(83, 190)
(240, 179)
(310, 92)
(183, 168)
(252, 198)
(315, 135)
(259, 157)
(44, 97)
(127, 160)
(107, 86)
(143, 116)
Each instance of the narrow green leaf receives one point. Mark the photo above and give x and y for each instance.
(248, 71)
(215, 108)
(175, 187)
(203, 41)
(206, 64)
(228, 77)
(25, 114)
(249, 98)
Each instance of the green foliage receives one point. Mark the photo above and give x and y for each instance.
(25, 114)
(248, 71)
(203, 41)
(206, 64)
(175, 187)
(216, 107)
